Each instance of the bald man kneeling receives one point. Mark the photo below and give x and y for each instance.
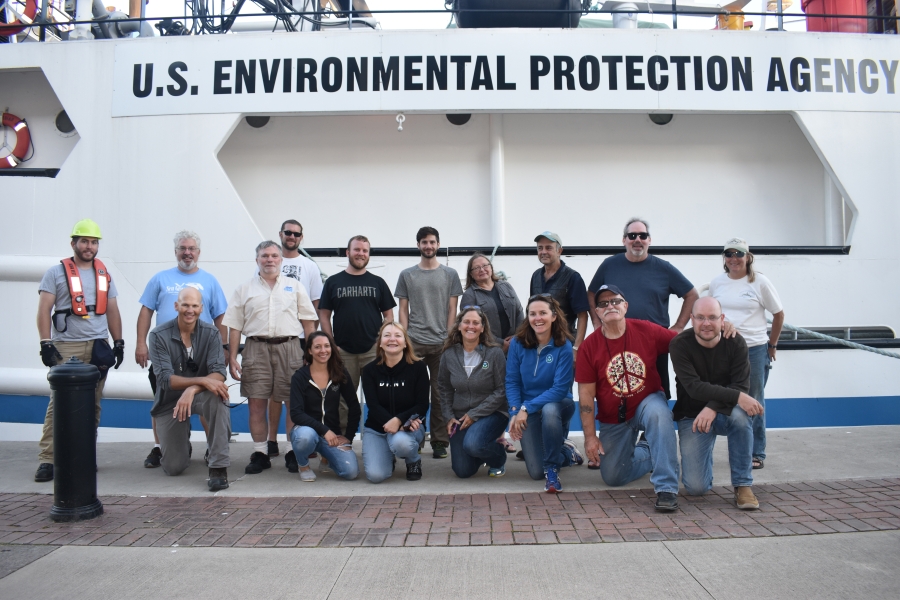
(189, 364)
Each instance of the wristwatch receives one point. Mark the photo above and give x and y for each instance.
(524, 409)
(773, 346)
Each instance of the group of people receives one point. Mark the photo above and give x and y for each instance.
(473, 372)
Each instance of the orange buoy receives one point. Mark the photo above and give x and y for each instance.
(23, 140)
(15, 27)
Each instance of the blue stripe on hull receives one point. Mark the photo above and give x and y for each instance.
(784, 412)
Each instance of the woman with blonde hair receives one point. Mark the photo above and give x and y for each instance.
(745, 296)
(396, 387)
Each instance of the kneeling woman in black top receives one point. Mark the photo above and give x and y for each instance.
(396, 386)
(316, 392)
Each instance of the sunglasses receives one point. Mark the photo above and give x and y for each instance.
(191, 365)
(733, 253)
(295, 234)
(633, 236)
(614, 302)
(472, 307)
(623, 411)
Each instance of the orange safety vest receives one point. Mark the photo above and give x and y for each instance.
(75, 289)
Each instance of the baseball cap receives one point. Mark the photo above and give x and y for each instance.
(553, 237)
(609, 288)
(737, 244)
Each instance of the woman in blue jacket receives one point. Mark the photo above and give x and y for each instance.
(539, 375)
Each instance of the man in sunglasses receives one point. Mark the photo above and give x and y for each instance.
(712, 378)
(617, 366)
(296, 266)
(160, 297)
(648, 281)
(189, 363)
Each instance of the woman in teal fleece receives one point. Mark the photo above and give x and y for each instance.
(539, 374)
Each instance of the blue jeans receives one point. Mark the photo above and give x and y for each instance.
(379, 450)
(760, 365)
(477, 444)
(697, 451)
(542, 440)
(305, 441)
(624, 462)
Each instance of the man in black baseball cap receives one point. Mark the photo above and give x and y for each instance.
(617, 366)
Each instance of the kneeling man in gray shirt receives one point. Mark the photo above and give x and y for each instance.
(189, 364)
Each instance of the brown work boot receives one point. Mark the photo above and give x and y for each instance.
(744, 498)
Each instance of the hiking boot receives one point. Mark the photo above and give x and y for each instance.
(577, 458)
(272, 449)
(666, 502)
(258, 462)
(290, 461)
(44, 472)
(307, 475)
(439, 450)
(414, 470)
(218, 479)
(553, 484)
(497, 472)
(745, 499)
(153, 459)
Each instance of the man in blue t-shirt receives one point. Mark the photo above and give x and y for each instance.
(160, 296)
(647, 282)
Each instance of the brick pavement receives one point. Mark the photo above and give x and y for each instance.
(457, 520)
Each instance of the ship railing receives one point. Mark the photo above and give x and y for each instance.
(51, 21)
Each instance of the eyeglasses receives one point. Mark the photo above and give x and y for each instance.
(733, 253)
(486, 267)
(704, 319)
(295, 234)
(187, 248)
(614, 302)
(633, 236)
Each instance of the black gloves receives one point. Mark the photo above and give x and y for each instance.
(50, 356)
(119, 352)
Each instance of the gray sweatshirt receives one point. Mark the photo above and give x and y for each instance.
(479, 395)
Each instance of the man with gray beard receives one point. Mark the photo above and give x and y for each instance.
(160, 296)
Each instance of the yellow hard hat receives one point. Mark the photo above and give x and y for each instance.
(86, 228)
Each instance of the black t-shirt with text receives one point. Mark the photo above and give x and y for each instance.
(357, 302)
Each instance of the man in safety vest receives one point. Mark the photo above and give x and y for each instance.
(76, 313)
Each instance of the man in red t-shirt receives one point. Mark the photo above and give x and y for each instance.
(617, 366)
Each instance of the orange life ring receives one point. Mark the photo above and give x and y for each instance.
(23, 140)
(16, 26)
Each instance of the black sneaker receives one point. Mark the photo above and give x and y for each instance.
(153, 459)
(258, 462)
(273, 449)
(290, 461)
(414, 470)
(218, 479)
(520, 455)
(666, 502)
(438, 450)
(45, 472)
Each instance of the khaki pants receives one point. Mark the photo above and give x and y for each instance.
(431, 354)
(81, 351)
(354, 364)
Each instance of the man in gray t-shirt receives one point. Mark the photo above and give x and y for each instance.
(81, 296)
(428, 293)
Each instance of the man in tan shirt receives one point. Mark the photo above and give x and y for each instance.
(271, 310)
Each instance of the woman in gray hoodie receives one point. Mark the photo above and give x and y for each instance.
(472, 382)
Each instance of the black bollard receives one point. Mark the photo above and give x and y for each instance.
(73, 385)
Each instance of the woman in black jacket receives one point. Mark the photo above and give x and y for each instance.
(316, 392)
(396, 386)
